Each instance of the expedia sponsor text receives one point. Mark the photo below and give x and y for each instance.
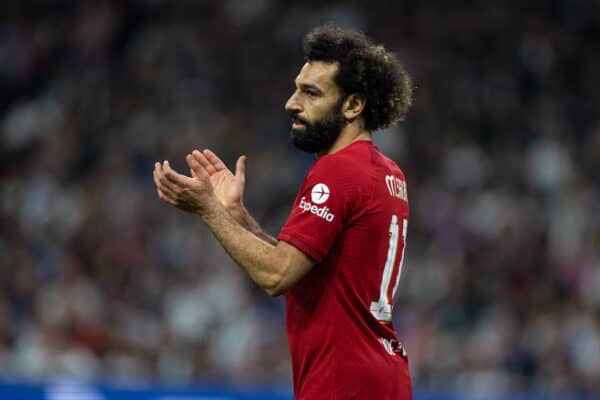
(322, 212)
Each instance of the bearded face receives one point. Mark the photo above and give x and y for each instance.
(318, 135)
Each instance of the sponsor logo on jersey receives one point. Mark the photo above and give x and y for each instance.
(320, 193)
(322, 212)
(396, 187)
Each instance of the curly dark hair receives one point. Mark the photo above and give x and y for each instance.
(364, 68)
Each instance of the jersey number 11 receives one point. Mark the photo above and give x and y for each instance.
(382, 308)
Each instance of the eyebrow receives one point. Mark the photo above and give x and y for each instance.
(305, 86)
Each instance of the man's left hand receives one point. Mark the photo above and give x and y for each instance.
(189, 194)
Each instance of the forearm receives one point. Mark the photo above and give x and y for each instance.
(257, 257)
(243, 217)
(275, 268)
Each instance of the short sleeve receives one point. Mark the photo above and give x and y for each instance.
(320, 210)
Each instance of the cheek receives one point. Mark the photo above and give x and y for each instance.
(316, 111)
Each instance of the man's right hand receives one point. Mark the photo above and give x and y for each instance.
(228, 188)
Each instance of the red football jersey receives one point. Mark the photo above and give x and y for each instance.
(351, 216)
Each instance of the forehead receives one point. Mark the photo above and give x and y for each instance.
(318, 73)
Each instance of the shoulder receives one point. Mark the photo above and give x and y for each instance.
(351, 166)
(392, 166)
(339, 174)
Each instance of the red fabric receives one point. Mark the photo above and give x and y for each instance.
(336, 343)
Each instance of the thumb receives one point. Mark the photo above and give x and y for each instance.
(240, 169)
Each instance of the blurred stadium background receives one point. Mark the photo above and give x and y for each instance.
(100, 283)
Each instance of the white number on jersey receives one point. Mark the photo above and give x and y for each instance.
(382, 308)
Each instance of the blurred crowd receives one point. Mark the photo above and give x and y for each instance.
(101, 281)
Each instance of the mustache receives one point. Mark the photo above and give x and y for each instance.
(296, 118)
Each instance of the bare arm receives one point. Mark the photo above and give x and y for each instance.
(275, 268)
(243, 217)
(229, 189)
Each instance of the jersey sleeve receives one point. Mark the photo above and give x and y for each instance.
(321, 209)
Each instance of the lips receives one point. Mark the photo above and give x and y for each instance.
(298, 122)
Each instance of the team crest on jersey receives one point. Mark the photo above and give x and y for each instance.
(320, 193)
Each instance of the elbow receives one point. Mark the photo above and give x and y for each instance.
(275, 292)
(285, 272)
(272, 292)
(275, 287)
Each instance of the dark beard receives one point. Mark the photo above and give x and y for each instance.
(319, 135)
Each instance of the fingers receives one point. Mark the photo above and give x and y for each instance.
(175, 178)
(162, 181)
(169, 181)
(214, 160)
(201, 158)
(166, 196)
(163, 190)
(181, 191)
(240, 170)
(197, 168)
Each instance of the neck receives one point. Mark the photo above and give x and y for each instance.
(350, 133)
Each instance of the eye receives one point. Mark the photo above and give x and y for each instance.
(311, 93)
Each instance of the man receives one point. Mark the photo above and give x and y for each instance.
(339, 256)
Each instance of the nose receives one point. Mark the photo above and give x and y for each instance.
(293, 105)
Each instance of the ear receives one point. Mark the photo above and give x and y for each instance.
(353, 106)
